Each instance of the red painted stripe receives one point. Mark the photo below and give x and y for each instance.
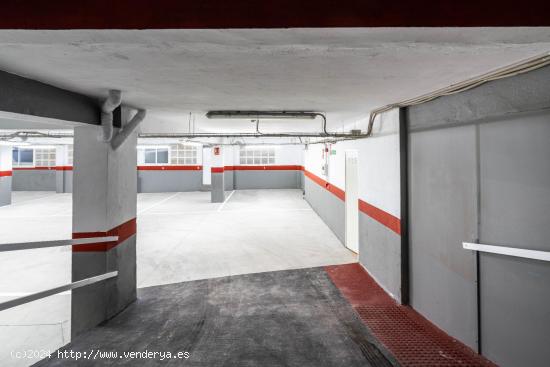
(5, 173)
(170, 168)
(33, 168)
(338, 192)
(63, 168)
(123, 231)
(382, 217)
(265, 168)
(217, 169)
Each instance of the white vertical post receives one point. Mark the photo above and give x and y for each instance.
(352, 201)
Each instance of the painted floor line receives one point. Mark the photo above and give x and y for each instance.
(230, 211)
(160, 202)
(22, 294)
(26, 201)
(225, 201)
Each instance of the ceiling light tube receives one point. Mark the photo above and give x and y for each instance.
(227, 114)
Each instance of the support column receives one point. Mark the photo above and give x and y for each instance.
(104, 204)
(5, 174)
(63, 171)
(217, 180)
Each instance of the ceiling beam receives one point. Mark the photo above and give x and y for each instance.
(25, 96)
(204, 14)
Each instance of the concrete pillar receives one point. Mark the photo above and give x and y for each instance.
(5, 174)
(63, 171)
(104, 204)
(217, 179)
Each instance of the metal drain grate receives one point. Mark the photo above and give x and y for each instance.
(413, 340)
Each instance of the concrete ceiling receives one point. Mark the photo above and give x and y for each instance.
(343, 72)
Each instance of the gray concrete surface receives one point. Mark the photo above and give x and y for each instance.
(479, 172)
(169, 181)
(267, 179)
(287, 318)
(217, 186)
(5, 190)
(184, 237)
(64, 181)
(34, 180)
(181, 237)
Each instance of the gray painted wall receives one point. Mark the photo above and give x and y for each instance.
(380, 254)
(443, 214)
(5, 190)
(515, 211)
(379, 247)
(266, 179)
(169, 181)
(34, 180)
(217, 187)
(501, 130)
(228, 178)
(330, 208)
(64, 181)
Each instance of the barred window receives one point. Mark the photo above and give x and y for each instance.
(257, 156)
(156, 156)
(183, 154)
(23, 157)
(44, 157)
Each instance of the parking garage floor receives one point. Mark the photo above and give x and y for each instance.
(182, 237)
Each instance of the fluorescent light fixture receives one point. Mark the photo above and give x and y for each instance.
(192, 143)
(12, 143)
(226, 114)
(43, 147)
(260, 146)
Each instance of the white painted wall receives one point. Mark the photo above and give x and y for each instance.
(379, 177)
(5, 158)
(284, 155)
(141, 154)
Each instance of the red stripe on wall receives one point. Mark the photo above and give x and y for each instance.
(217, 169)
(5, 173)
(384, 218)
(381, 216)
(123, 231)
(33, 168)
(338, 192)
(265, 168)
(63, 168)
(169, 168)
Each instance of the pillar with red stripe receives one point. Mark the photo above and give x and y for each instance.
(5, 174)
(217, 179)
(104, 204)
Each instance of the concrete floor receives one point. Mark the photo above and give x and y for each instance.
(181, 237)
(285, 318)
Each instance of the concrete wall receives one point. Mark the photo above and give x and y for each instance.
(64, 180)
(6, 173)
(266, 179)
(379, 194)
(479, 172)
(169, 180)
(35, 179)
